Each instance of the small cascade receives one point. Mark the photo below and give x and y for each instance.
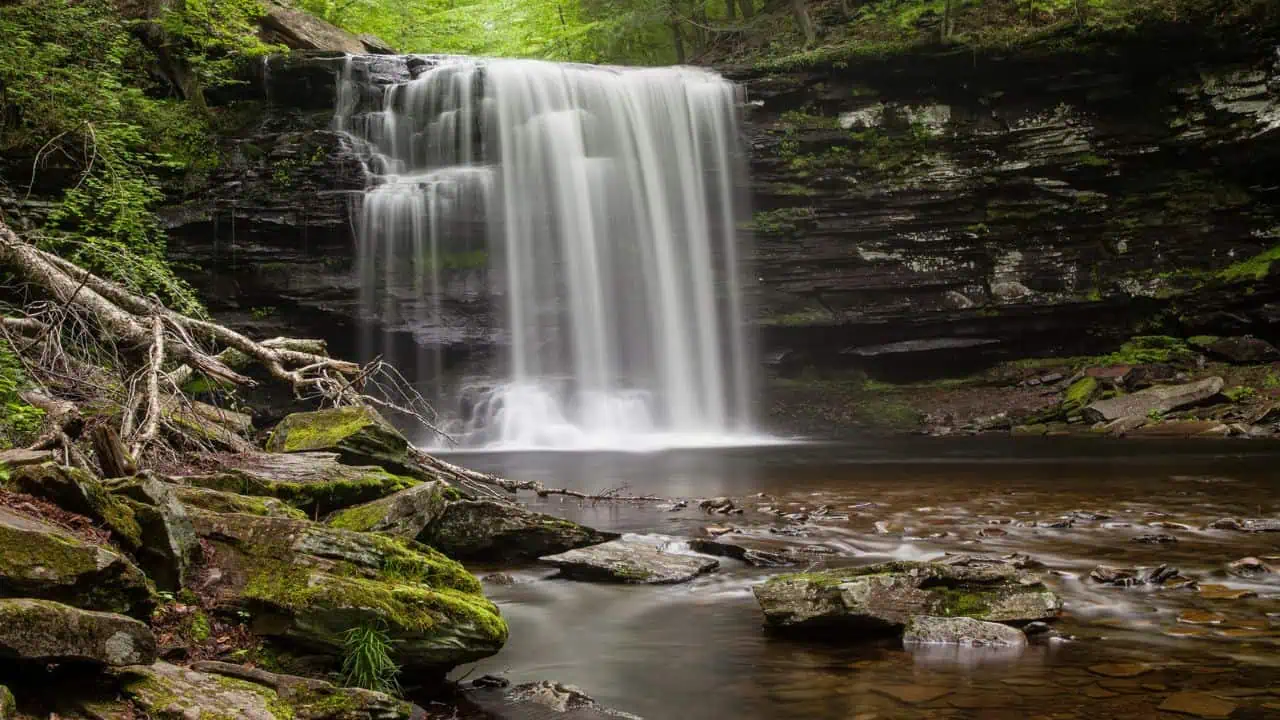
(602, 203)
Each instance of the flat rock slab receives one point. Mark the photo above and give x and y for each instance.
(885, 596)
(960, 631)
(42, 631)
(636, 561)
(38, 560)
(1197, 705)
(542, 701)
(1160, 399)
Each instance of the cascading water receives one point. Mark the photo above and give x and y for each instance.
(606, 199)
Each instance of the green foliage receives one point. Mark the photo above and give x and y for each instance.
(1240, 394)
(78, 93)
(20, 421)
(367, 662)
(1255, 268)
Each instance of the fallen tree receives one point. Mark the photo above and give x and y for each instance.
(96, 354)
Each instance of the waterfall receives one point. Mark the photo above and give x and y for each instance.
(604, 204)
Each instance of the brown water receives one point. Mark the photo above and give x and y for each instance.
(698, 650)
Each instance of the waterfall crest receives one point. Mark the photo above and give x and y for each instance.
(603, 203)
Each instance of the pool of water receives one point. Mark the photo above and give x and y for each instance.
(698, 650)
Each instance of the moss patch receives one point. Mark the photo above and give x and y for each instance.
(229, 502)
(355, 486)
(360, 518)
(350, 429)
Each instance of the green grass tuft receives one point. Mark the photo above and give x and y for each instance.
(367, 662)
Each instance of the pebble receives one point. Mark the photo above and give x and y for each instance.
(1249, 567)
(498, 579)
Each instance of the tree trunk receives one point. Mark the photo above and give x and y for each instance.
(730, 10)
(112, 458)
(748, 9)
(805, 23)
(678, 40)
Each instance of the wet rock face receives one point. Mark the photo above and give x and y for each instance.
(924, 210)
(885, 596)
(961, 631)
(634, 561)
(40, 631)
(489, 531)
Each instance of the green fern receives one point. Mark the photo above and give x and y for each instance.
(367, 660)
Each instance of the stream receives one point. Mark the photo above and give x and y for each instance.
(698, 650)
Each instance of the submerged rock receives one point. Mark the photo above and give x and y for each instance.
(307, 584)
(885, 596)
(742, 549)
(1250, 567)
(1132, 577)
(359, 435)
(630, 561)
(315, 483)
(38, 560)
(42, 631)
(544, 699)
(1159, 399)
(962, 631)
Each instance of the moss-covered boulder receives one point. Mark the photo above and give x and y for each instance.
(404, 514)
(216, 691)
(884, 597)
(8, 706)
(359, 435)
(1078, 395)
(43, 631)
(38, 560)
(77, 491)
(315, 483)
(170, 548)
(483, 530)
(307, 584)
(229, 502)
(491, 531)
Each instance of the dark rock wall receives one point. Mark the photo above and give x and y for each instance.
(915, 213)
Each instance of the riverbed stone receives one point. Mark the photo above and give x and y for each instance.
(1158, 399)
(637, 561)
(1224, 592)
(1250, 567)
(885, 596)
(43, 631)
(306, 584)
(38, 560)
(748, 550)
(314, 482)
(359, 435)
(962, 631)
(544, 699)
(1197, 704)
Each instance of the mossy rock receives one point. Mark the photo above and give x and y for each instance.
(38, 560)
(315, 483)
(43, 631)
(883, 597)
(360, 436)
(305, 583)
(1078, 396)
(404, 514)
(219, 691)
(77, 491)
(8, 706)
(501, 532)
(229, 502)
(170, 549)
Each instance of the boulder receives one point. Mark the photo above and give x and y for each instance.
(307, 584)
(544, 699)
(38, 560)
(315, 483)
(962, 631)
(501, 532)
(300, 30)
(229, 502)
(752, 551)
(170, 548)
(359, 435)
(1159, 399)
(632, 559)
(77, 491)
(883, 597)
(43, 631)
(8, 706)
(1244, 350)
(404, 514)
